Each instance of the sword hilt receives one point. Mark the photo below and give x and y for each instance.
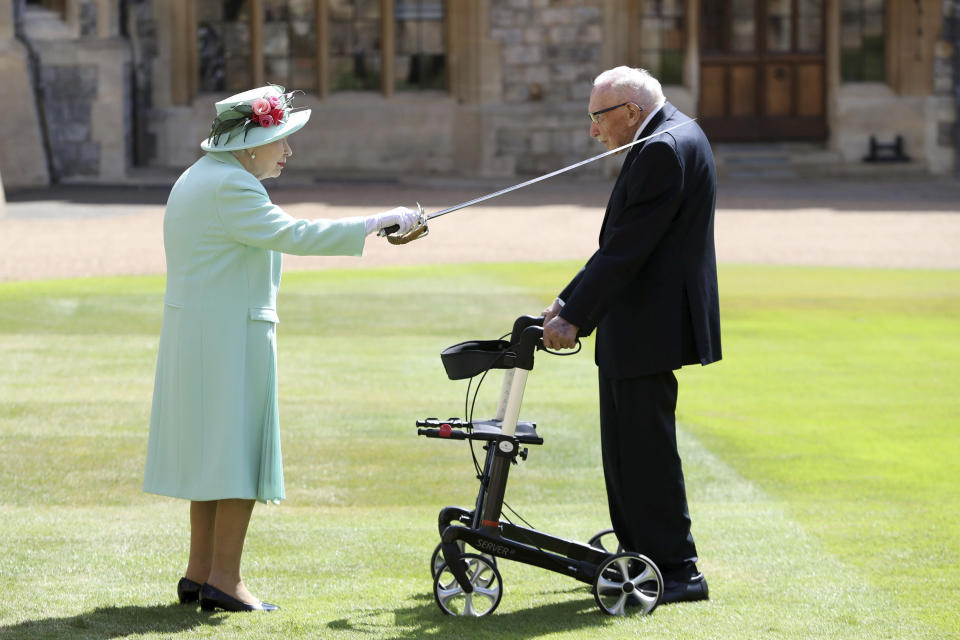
(417, 232)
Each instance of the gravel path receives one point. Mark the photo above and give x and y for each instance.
(910, 222)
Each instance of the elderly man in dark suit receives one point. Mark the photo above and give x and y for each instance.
(650, 290)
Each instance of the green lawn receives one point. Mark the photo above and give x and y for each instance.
(821, 459)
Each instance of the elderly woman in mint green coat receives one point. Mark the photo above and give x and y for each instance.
(214, 429)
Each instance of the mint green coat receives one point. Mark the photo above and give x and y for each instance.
(214, 427)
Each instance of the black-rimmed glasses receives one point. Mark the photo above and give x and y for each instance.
(594, 114)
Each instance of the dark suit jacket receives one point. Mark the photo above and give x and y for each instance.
(650, 290)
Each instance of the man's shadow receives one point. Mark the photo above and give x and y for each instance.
(105, 623)
(425, 620)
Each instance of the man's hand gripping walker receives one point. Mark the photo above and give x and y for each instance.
(468, 583)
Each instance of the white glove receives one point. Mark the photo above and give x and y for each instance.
(405, 218)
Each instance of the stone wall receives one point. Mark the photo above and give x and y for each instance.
(85, 86)
(22, 157)
(70, 93)
(67, 75)
(550, 53)
(550, 50)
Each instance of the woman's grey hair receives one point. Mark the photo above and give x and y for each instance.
(632, 84)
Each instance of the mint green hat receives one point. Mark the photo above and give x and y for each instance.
(254, 118)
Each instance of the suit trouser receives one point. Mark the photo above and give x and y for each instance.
(641, 465)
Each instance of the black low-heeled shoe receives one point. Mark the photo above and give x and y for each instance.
(692, 589)
(188, 591)
(212, 599)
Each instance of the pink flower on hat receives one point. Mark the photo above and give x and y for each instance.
(278, 115)
(261, 107)
(266, 120)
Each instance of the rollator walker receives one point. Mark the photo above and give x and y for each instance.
(468, 582)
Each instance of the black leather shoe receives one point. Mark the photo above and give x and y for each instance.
(212, 599)
(689, 590)
(188, 591)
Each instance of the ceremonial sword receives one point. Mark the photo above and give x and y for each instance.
(421, 229)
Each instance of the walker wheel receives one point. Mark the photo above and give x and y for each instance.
(437, 561)
(606, 540)
(487, 588)
(627, 582)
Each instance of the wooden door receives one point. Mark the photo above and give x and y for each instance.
(762, 70)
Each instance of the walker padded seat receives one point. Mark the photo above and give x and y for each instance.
(473, 357)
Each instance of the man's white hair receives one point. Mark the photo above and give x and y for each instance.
(632, 84)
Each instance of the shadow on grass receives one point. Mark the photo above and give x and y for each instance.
(425, 620)
(112, 622)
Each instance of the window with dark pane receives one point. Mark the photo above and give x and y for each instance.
(742, 34)
(779, 25)
(355, 51)
(289, 43)
(662, 40)
(728, 27)
(712, 23)
(421, 59)
(783, 17)
(223, 45)
(862, 50)
(809, 25)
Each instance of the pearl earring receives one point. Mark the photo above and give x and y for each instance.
(253, 155)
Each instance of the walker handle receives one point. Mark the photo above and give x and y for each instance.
(531, 339)
(522, 323)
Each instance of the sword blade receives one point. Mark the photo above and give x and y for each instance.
(469, 203)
